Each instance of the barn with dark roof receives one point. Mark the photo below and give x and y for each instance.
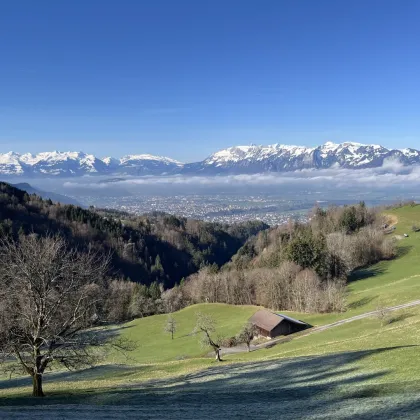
(270, 324)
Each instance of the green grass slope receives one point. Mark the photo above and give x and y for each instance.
(155, 345)
(387, 283)
(343, 364)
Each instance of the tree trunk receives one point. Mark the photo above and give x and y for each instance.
(217, 351)
(37, 385)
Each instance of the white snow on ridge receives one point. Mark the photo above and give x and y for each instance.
(238, 159)
(55, 156)
(288, 157)
(148, 157)
(78, 163)
(110, 161)
(410, 152)
(10, 164)
(240, 153)
(9, 157)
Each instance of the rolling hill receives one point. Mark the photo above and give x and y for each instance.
(365, 369)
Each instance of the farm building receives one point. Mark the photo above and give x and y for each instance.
(270, 324)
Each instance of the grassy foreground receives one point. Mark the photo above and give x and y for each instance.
(361, 368)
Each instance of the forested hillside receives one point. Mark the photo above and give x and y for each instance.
(299, 266)
(158, 249)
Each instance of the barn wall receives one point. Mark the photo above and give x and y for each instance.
(263, 332)
(286, 327)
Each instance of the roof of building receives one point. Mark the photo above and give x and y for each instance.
(268, 320)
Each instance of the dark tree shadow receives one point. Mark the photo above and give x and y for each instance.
(372, 271)
(365, 273)
(284, 388)
(400, 317)
(361, 302)
(403, 250)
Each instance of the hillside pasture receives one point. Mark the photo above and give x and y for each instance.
(365, 369)
(329, 386)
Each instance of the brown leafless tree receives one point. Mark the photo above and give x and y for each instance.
(49, 300)
(206, 327)
(170, 326)
(247, 334)
(382, 313)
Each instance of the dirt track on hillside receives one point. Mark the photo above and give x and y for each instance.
(271, 343)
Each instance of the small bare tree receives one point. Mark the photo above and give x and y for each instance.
(170, 326)
(247, 334)
(49, 299)
(382, 313)
(205, 326)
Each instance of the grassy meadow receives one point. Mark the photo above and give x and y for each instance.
(361, 369)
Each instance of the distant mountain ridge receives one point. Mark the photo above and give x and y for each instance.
(234, 160)
(58, 198)
(283, 158)
(68, 164)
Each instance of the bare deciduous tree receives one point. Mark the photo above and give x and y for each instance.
(206, 326)
(247, 334)
(170, 326)
(49, 298)
(382, 313)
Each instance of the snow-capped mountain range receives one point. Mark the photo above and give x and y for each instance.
(234, 160)
(68, 164)
(284, 158)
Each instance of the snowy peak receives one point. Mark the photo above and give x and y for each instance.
(62, 163)
(68, 164)
(147, 165)
(110, 161)
(282, 158)
(10, 164)
(137, 158)
(240, 153)
(247, 159)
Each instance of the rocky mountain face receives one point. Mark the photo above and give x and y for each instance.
(234, 160)
(283, 158)
(69, 164)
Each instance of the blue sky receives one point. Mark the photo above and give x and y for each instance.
(184, 78)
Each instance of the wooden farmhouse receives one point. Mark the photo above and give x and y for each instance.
(270, 324)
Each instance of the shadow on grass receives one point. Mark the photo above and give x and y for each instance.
(255, 388)
(366, 273)
(361, 302)
(400, 317)
(403, 250)
(376, 270)
(103, 336)
(185, 335)
(93, 373)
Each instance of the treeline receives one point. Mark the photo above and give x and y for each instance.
(161, 263)
(157, 250)
(298, 267)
